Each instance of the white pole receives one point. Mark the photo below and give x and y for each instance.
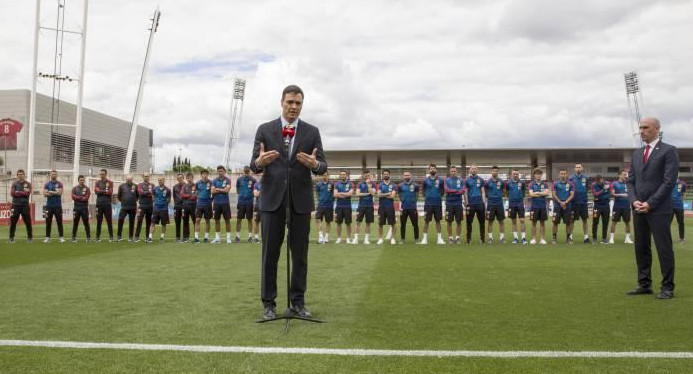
(140, 92)
(227, 141)
(80, 94)
(32, 105)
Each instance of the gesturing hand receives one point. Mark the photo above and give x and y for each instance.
(265, 158)
(308, 160)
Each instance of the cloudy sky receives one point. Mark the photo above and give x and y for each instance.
(378, 74)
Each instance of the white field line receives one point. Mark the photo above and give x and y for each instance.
(343, 352)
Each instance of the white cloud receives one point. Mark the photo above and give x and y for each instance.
(432, 74)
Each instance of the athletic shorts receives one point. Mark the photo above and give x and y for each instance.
(222, 209)
(203, 212)
(454, 213)
(386, 215)
(561, 214)
(538, 214)
(325, 213)
(343, 215)
(495, 212)
(435, 211)
(579, 211)
(245, 211)
(367, 212)
(517, 211)
(621, 213)
(160, 217)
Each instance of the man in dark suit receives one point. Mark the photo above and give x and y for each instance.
(654, 169)
(269, 158)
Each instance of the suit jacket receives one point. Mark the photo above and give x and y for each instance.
(273, 180)
(652, 181)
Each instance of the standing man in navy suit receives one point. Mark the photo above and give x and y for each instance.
(269, 158)
(654, 169)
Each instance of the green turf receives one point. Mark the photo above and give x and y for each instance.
(492, 297)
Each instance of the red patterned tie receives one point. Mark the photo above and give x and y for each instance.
(646, 154)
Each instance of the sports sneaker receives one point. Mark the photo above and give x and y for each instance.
(542, 241)
(257, 240)
(149, 240)
(682, 241)
(196, 241)
(205, 241)
(586, 241)
(389, 234)
(490, 241)
(47, 240)
(130, 240)
(441, 241)
(178, 240)
(216, 241)
(110, 239)
(30, 240)
(554, 241)
(524, 241)
(74, 240)
(502, 241)
(533, 242)
(401, 241)
(365, 242)
(161, 240)
(98, 240)
(250, 239)
(458, 241)
(348, 241)
(11, 241)
(379, 242)
(393, 241)
(228, 241)
(88, 240)
(570, 241)
(136, 240)
(515, 241)
(604, 241)
(237, 240)
(628, 241)
(423, 241)
(450, 240)
(61, 240)
(355, 241)
(338, 241)
(611, 241)
(186, 240)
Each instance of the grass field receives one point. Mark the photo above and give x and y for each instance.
(434, 297)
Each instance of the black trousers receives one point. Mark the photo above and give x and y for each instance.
(104, 211)
(146, 214)
(414, 216)
(130, 213)
(658, 226)
(678, 213)
(21, 211)
(478, 211)
(83, 214)
(188, 218)
(598, 213)
(57, 212)
(177, 218)
(273, 230)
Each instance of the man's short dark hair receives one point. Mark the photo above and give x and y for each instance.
(386, 170)
(432, 165)
(204, 171)
(179, 175)
(537, 171)
(21, 171)
(598, 176)
(104, 171)
(516, 169)
(494, 167)
(221, 167)
(562, 169)
(452, 167)
(578, 163)
(80, 177)
(294, 89)
(189, 174)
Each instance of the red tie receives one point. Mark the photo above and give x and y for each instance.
(646, 155)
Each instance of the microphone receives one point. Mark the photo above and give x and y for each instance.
(288, 133)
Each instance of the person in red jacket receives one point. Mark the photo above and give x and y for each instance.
(80, 195)
(21, 193)
(103, 188)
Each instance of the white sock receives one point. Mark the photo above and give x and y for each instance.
(320, 233)
(256, 236)
(515, 234)
(523, 235)
(587, 236)
(228, 236)
(150, 235)
(216, 235)
(197, 235)
(628, 236)
(611, 237)
(457, 238)
(327, 237)
(162, 236)
(367, 237)
(440, 236)
(238, 234)
(356, 237)
(490, 236)
(502, 236)
(206, 235)
(425, 236)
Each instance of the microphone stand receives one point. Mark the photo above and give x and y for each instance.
(289, 314)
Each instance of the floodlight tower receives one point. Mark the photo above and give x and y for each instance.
(235, 121)
(634, 97)
(57, 78)
(140, 92)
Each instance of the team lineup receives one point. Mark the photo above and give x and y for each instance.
(469, 199)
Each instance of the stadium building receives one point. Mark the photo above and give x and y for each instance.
(104, 138)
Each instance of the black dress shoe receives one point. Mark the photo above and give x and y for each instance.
(302, 312)
(269, 313)
(640, 291)
(664, 295)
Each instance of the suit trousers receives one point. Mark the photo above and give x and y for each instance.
(658, 226)
(273, 231)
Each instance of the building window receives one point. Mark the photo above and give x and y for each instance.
(613, 169)
(92, 153)
(684, 169)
